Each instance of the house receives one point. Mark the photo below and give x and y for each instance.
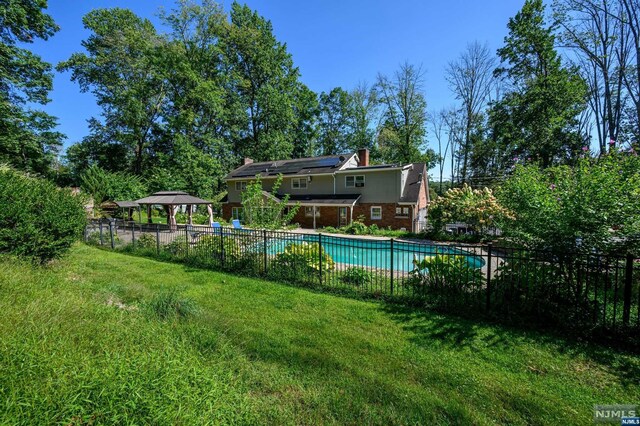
(334, 190)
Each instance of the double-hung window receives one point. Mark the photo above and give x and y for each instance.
(354, 181)
(402, 211)
(299, 183)
(376, 212)
(241, 185)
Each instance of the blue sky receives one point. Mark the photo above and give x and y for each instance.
(334, 43)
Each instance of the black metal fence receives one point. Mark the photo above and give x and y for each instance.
(587, 293)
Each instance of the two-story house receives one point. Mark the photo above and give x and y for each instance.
(335, 190)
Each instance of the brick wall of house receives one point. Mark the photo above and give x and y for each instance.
(389, 217)
(329, 216)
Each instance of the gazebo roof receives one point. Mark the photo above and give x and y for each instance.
(126, 204)
(171, 198)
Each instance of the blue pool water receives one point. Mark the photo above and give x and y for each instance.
(375, 253)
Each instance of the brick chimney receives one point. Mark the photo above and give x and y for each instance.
(246, 161)
(363, 155)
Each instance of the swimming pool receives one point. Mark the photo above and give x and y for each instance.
(374, 253)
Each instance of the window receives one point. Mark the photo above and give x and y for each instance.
(241, 185)
(308, 211)
(402, 211)
(237, 213)
(376, 213)
(299, 183)
(354, 181)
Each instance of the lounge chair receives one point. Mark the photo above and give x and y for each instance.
(236, 224)
(215, 225)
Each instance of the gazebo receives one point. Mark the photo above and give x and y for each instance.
(171, 200)
(128, 206)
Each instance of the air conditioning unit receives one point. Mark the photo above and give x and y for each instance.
(359, 185)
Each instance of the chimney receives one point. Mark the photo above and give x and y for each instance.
(246, 161)
(363, 155)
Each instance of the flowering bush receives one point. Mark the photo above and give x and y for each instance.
(593, 205)
(477, 207)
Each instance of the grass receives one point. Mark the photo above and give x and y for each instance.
(103, 337)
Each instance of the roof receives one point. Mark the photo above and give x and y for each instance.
(323, 199)
(415, 178)
(297, 166)
(127, 204)
(171, 198)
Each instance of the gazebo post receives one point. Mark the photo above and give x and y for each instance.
(210, 211)
(149, 214)
(189, 217)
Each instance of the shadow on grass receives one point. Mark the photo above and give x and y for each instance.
(430, 328)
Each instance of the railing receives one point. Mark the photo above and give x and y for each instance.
(591, 294)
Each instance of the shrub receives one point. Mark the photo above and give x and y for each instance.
(145, 241)
(357, 227)
(356, 276)
(444, 275)
(178, 247)
(301, 262)
(170, 304)
(593, 205)
(37, 219)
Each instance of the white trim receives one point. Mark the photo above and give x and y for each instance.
(371, 213)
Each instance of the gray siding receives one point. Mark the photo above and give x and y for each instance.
(379, 186)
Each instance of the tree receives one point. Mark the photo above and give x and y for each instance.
(594, 30)
(266, 210)
(365, 113)
(119, 69)
(438, 122)
(401, 138)
(28, 140)
(306, 110)
(266, 83)
(200, 119)
(470, 77)
(335, 124)
(539, 116)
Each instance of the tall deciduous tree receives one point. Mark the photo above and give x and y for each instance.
(266, 82)
(28, 139)
(120, 69)
(335, 122)
(470, 77)
(595, 31)
(403, 130)
(539, 117)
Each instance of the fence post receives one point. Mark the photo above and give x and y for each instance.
(101, 241)
(264, 246)
(133, 235)
(628, 279)
(392, 266)
(157, 239)
(113, 243)
(221, 248)
(320, 255)
(489, 270)
(186, 236)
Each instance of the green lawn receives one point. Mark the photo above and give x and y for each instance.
(80, 342)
